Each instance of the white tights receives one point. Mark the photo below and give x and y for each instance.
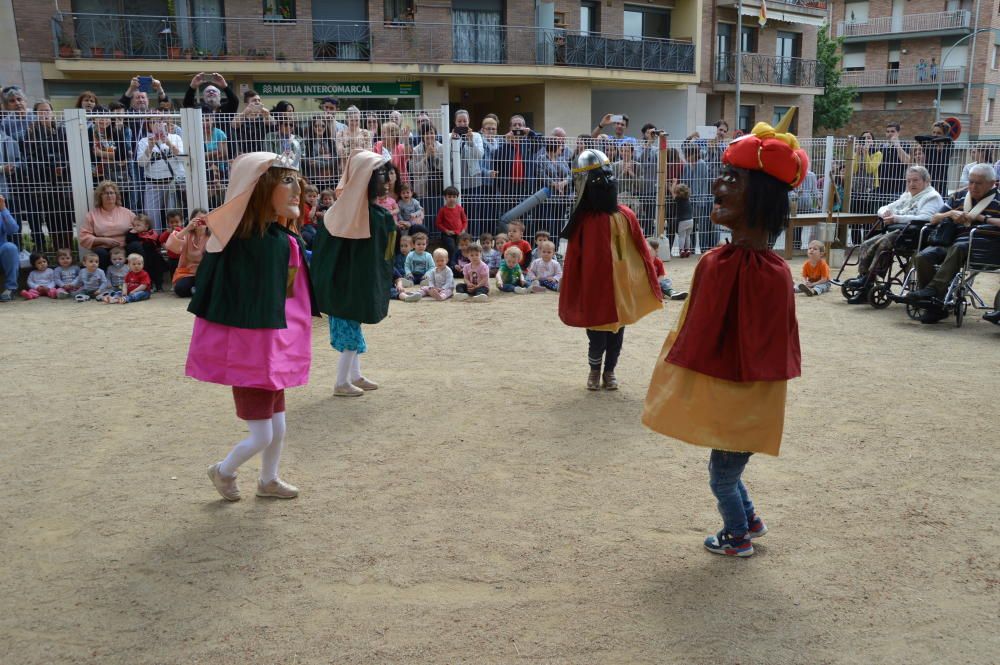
(266, 437)
(348, 367)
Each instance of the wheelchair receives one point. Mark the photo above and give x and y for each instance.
(983, 257)
(889, 268)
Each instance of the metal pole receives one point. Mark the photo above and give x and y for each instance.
(78, 152)
(937, 115)
(739, 57)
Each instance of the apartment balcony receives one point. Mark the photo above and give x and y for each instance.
(807, 12)
(769, 74)
(913, 25)
(102, 36)
(909, 79)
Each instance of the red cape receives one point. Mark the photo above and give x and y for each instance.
(740, 323)
(586, 294)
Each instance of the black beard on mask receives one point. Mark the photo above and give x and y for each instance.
(601, 192)
(377, 183)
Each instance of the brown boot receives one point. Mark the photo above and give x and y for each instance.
(610, 382)
(594, 380)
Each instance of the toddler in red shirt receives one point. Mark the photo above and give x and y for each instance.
(515, 233)
(666, 284)
(137, 282)
(451, 221)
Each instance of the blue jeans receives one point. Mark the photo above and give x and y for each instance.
(137, 296)
(10, 264)
(735, 506)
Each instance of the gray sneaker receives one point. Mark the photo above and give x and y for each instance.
(482, 297)
(6, 296)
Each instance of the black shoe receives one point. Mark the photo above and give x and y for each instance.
(933, 315)
(856, 282)
(992, 317)
(926, 293)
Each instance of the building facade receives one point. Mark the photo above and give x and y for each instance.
(778, 69)
(903, 56)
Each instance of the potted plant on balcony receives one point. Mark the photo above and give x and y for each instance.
(280, 56)
(97, 51)
(65, 47)
(119, 54)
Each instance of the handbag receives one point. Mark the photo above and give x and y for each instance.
(943, 234)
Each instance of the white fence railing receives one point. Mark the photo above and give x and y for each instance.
(884, 25)
(877, 78)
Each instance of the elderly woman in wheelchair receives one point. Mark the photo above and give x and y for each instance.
(958, 243)
(917, 205)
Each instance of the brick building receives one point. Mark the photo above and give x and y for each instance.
(897, 53)
(779, 68)
(562, 63)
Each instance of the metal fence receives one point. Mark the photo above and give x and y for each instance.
(471, 37)
(50, 167)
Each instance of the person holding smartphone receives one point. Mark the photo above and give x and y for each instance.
(212, 95)
(620, 122)
(156, 153)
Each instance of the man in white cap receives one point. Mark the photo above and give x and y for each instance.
(211, 96)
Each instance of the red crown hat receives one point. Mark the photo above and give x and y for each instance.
(772, 150)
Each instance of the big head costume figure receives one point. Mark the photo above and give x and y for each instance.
(609, 280)
(352, 264)
(254, 306)
(720, 378)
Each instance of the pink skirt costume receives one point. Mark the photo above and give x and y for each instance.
(263, 358)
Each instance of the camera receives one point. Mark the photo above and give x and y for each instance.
(517, 132)
(461, 131)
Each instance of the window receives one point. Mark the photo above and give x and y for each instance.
(399, 11)
(890, 103)
(279, 10)
(749, 39)
(993, 59)
(646, 22)
(989, 109)
(779, 113)
(477, 31)
(590, 13)
(746, 118)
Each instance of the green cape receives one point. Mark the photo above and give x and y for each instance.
(352, 277)
(245, 285)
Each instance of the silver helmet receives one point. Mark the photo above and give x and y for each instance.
(589, 160)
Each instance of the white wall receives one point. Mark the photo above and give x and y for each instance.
(675, 111)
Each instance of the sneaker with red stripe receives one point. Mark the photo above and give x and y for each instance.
(729, 545)
(757, 527)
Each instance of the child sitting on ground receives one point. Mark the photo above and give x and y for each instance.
(410, 210)
(461, 260)
(116, 275)
(418, 262)
(476, 275)
(439, 283)
(510, 279)
(515, 231)
(41, 280)
(666, 284)
(175, 222)
(451, 220)
(545, 272)
(66, 272)
(540, 237)
(399, 267)
(142, 231)
(685, 218)
(91, 282)
(815, 271)
(491, 257)
(137, 282)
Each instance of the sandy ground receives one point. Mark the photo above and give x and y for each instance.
(483, 507)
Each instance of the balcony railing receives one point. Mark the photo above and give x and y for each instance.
(912, 76)
(161, 37)
(769, 70)
(887, 25)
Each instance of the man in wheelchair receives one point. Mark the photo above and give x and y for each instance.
(937, 264)
(917, 204)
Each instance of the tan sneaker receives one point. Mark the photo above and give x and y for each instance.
(348, 390)
(227, 487)
(277, 489)
(365, 384)
(610, 381)
(594, 380)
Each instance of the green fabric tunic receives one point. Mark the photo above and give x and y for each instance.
(352, 277)
(244, 285)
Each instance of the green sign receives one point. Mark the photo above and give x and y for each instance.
(298, 89)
